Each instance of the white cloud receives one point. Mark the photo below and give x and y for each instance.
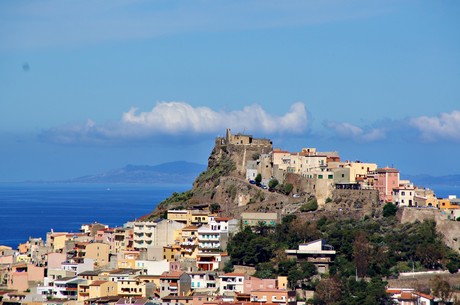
(181, 119)
(355, 133)
(444, 126)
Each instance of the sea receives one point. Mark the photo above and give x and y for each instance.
(33, 209)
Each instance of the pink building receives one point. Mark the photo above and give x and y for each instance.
(21, 274)
(55, 260)
(254, 283)
(386, 179)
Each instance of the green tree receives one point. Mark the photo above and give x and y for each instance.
(258, 179)
(273, 183)
(389, 209)
(214, 207)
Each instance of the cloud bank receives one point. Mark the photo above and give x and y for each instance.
(444, 126)
(181, 119)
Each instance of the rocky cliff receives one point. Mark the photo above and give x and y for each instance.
(223, 186)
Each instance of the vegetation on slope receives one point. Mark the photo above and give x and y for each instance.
(366, 249)
(222, 167)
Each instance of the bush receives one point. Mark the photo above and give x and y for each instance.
(389, 209)
(273, 183)
(453, 267)
(287, 188)
(258, 179)
(309, 206)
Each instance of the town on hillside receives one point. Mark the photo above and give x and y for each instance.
(199, 256)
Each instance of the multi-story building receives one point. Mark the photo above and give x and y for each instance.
(144, 234)
(174, 283)
(203, 281)
(208, 239)
(404, 194)
(385, 180)
(208, 261)
(231, 283)
(273, 296)
(316, 252)
(189, 242)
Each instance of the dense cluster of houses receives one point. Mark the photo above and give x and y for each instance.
(178, 260)
(322, 172)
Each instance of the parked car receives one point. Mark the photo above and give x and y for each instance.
(252, 182)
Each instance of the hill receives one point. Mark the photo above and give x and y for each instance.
(433, 181)
(179, 172)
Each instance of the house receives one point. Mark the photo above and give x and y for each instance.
(404, 194)
(203, 281)
(174, 283)
(274, 296)
(208, 239)
(231, 283)
(316, 252)
(207, 261)
(253, 283)
(98, 289)
(408, 296)
(21, 274)
(385, 180)
(144, 234)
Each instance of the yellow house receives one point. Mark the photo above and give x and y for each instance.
(99, 252)
(131, 288)
(59, 242)
(446, 204)
(189, 242)
(98, 289)
(189, 217)
(127, 259)
(171, 253)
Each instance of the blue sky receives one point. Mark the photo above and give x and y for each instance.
(88, 86)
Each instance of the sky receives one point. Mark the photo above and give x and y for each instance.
(90, 86)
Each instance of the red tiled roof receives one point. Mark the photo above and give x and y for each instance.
(172, 274)
(426, 296)
(406, 295)
(233, 274)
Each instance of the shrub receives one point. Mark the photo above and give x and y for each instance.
(389, 209)
(273, 183)
(312, 205)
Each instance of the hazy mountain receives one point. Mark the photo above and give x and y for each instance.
(179, 172)
(429, 181)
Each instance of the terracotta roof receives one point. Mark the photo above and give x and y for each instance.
(233, 274)
(223, 218)
(406, 295)
(426, 296)
(171, 274)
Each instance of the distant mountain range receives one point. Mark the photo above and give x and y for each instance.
(182, 172)
(430, 181)
(179, 172)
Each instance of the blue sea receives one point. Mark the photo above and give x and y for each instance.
(28, 209)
